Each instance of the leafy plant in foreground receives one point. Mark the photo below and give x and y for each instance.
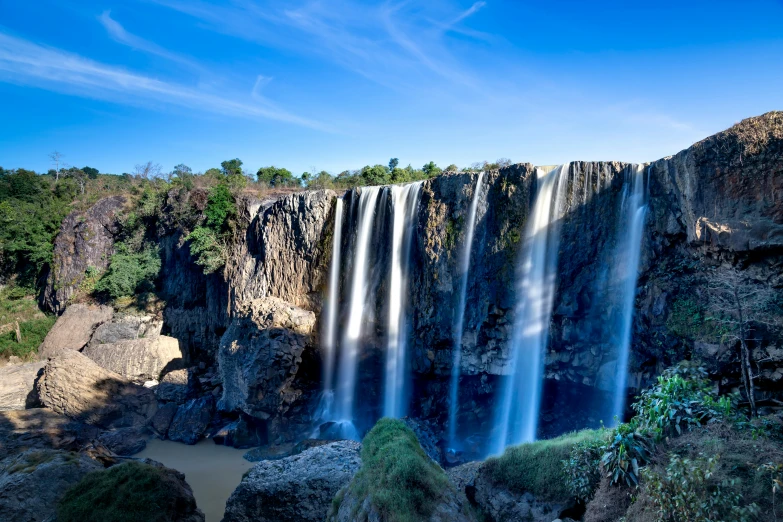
(627, 452)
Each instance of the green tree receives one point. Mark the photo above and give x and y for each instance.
(232, 167)
(375, 175)
(431, 169)
(275, 177)
(91, 172)
(393, 164)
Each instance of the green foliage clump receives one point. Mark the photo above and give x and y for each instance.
(17, 304)
(689, 319)
(128, 492)
(537, 467)
(130, 272)
(209, 242)
(684, 491)
(682, 399)
(404, 485)
(582, 468)
(276, 177)
(628, 450)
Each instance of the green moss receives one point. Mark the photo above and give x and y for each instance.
(29, 462)
(404, 485)
(128, 492)
(537, 467)
(689, 319)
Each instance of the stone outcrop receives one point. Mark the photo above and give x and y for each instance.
(124, 328)
(176, 386)
(17, 386)
(32, 482)
(191, 420)
(86, 239)
(124, 441)
(42, 428)
(259, 358)
(74, 328)
(294, 489)
(75, 386)
(138, 359)
(284, 254)
(451, 508)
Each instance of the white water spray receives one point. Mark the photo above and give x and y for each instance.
(329, 336)
(460, 319)
(405, 199)
(518, 411)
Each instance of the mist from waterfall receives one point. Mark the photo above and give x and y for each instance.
(350, 345)
(459, 322)
(405, 201)
(633, 211)
(329, 335)
(517, 412)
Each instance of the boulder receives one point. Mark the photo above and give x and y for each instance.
(298, 488)
(176, 386)
(74, 328)
(17, 386)
(32, 482)
(42, 428)
(124, 441)
(125, 328)
(259, 357)
(451, 508)
(191, 420)
(86, 240)
(241, 433)
(137, 359)
(75, 386)
(161, 421)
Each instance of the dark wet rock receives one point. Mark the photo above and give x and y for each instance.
(32, 482)
(138, 359)
(299, 488)
(426, 437)
(271, 452)
(86, 239)
(74, 328)
(125, 441)
(17, 386)
(244, 432)
(75, 386)
(161, 421)
(191, 420)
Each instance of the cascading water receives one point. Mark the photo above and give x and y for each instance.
(629, 252)
(517, 414)
(460, 311)
(329, 336)
(405, 200)
(349, 348)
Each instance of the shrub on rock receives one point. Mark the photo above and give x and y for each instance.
(130, 492)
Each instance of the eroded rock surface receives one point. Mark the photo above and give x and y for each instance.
(294, 489)
(138, 359)
(32, 482)
(75, 386)
(74, 328)
(191, 420)
(42, 428)
(17, 386)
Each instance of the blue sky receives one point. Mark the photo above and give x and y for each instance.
(340, 84)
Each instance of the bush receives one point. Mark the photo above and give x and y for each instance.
(685, 492)
(127, 492)
(627, 452)
(130, 273)
(402, 482)
(208, 249)
(682, 399)
(537, 467)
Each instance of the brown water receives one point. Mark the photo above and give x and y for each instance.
(212, 471)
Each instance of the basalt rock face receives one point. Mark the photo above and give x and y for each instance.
(259, 359)
(285, 251)
(86, 239)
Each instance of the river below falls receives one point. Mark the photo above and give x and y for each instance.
(212, 471)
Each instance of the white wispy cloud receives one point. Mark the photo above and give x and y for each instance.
(120, 35)
(27, 63)
(468, 12)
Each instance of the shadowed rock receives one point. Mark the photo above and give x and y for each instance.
(191, 420)
(176, 386)
(42, 428)
(75, 386)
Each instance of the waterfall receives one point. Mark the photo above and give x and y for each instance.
(633, 212)
(329, 335)
(517, 414)
(349, 349)
(460, 319)
(405, 200)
